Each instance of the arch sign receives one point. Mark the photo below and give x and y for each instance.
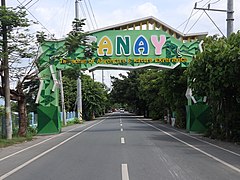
(136, 49)
(118, 48)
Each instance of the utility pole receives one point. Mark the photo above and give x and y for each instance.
(62, 99)
(230, 18)
(229, 12)
(6, 82)
(79, 81)
(102, 76)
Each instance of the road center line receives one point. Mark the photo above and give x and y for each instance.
(121, 129)
(122, 140)
(125, 175)
(197, 149)
(45, 152)
(121, 124)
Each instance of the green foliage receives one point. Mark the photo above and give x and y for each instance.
(74, 121)
(13, 17)
(126, 91)
(215, 73)
(94, 98)
(20, 48)
(153, 93)
(14, 140)
(94, 94)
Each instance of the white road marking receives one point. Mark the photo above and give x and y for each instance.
(121, 129)
(45, 152)
(121, 124)
(122, 140)
(39, 143)
(204, 141)
(203, 152)
(125, 175)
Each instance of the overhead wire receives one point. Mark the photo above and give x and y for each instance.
(214, 23)
(21, 4)
(28, 3)
(34, 17)
(215, 2)
(188, 21)
(193, 13)
(204, 11)
(64, 20)
(195, 23)
(24, 1)
(84, 14)
(33, 4)
(90, 18)
(92, 13)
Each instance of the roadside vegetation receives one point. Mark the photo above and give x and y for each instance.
(214, 73)
(157, 94)
(22, 52)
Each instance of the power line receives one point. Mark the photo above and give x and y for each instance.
(195, 22)
(92, 13)
(65, 16)
(34, 17)
(33, 4)
(28, 3)
(188, 21)
(84, 14)
(215, 2)
(229, 12)
(214, 23)
(89, 14)
(193, 14)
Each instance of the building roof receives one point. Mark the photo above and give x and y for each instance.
(152, 23)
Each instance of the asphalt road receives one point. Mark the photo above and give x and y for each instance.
(119, 146)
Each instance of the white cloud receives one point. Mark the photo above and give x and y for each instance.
(147, 9)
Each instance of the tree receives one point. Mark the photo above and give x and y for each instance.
(20, 50)
(126, 90)
(215, 73)
(154, 93)
(94, 94)
(150, 85)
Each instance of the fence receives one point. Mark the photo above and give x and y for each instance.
(32, 120)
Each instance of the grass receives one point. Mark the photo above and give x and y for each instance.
(72, 122)
(31, 132)
(14, 140)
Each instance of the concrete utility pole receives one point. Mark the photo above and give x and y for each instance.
(230, 18)
(229, 12)
(6, 82)
(79, 81)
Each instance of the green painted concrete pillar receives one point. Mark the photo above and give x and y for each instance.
(198, 115)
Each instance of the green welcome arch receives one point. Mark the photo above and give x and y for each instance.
(143, 43)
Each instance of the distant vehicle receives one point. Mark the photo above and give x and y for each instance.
(121, 110)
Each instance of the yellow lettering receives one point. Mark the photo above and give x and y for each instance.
(105, 47)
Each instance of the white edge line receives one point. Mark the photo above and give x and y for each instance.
(45, 152)
(6, 157)
(207, 154)
(204, 141)
(125, 175)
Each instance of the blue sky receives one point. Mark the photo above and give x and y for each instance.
(57, 15)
